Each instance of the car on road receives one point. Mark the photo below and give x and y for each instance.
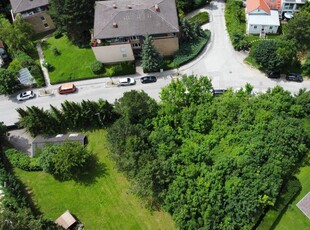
(126, 81)
(273, 74)
(294, 77)
(218, 91)
(25, 95)
(66, 88)
(148, 79)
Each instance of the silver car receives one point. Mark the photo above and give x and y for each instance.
(126, 81)
(25, 95)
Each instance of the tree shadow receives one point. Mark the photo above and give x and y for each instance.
(94, 170)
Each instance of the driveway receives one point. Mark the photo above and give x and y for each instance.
(219, 61)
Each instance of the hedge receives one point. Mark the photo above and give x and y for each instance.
(202, 18)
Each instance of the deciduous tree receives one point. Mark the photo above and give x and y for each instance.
(8, 82)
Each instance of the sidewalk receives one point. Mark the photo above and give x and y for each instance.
(44, 70)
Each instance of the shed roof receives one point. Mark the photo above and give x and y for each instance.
(304, 205)
(59, 138)
(65, 220)
(134, 17)
(266, 20)
(24, 5)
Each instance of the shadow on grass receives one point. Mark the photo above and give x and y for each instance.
(94, 170)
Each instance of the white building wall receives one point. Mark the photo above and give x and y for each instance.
(256, 29)
(114, 53)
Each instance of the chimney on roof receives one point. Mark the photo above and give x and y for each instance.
(129, 6)
(114, 6)
(114, 24)
(157, 7)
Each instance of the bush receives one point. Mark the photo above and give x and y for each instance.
(306, 66)
(188, 51)
(21, 160)
(97, 67)
(47, 65)
(57, 34)
(202, 18)
(123, 68)
(55, 51)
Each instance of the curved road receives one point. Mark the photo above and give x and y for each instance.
(219, 61)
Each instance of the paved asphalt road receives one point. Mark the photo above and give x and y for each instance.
(219, 61)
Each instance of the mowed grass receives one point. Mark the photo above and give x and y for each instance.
(293, 218)
(107, 203)
(73, 63)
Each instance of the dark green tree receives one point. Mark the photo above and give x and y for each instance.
(8, 82)
(74, 17)
(306, 65)
(152, 61)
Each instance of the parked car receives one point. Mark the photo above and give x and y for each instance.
(218, 91)
(148, 79)
(66, 88)
(25, 95)
(294, 77)
(126, 81)
(273, 74)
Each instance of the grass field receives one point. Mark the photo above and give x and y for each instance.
(73, 63)
(293, 218)
(105, 203)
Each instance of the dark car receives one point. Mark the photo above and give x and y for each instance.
(294, 77)
(148, 79)
(273, 74)
(218, 91)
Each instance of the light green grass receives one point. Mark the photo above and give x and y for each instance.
(293, 218)
(73, 63)
(104, 204)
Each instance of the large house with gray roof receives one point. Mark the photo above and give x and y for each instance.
(34, 12)
(120, 27)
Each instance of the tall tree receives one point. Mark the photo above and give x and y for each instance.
(8, 82)
(17, 36)
(75, 17)
(151, 60)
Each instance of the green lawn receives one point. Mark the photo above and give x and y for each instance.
(73, 62)
(293, 218)
(106, 203)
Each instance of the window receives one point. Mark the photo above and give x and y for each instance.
(42, 18)
(124, 55)
(133, 37)
(271, 27)
(255, 27)
(46, 25)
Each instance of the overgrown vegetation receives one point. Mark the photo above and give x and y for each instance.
(237, 147)
(201, 17)
(235, 23)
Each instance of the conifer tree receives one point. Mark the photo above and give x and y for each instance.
(151, 60)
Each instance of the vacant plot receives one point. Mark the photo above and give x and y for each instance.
(102, 202)
(70, 63)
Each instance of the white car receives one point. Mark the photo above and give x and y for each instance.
(25, 95)
(126, 81)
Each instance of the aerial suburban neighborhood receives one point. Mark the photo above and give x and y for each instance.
(154, 114)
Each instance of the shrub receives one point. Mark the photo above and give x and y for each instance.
(55, 51)
(47, 65)
(57, 34)
(123, 68)
(306, 66)
(21, 160)
(97, 67)
(202, 18)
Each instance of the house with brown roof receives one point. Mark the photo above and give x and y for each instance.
(34, 12)
(120, 27)
(262, 17)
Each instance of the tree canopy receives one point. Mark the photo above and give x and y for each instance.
(152, 61)
(8, 82)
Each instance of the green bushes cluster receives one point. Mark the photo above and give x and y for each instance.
(306, 66)
(188, 51)
(22, 60)
(58, 34)
(71, 115)
(97, 67)
(21, 160)
(235, 23)
(202, 18)
(123, 68)
(55, 51)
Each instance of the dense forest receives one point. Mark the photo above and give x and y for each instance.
(213, 162)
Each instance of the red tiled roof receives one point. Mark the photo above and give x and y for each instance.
(274, 4)
(257, 4)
